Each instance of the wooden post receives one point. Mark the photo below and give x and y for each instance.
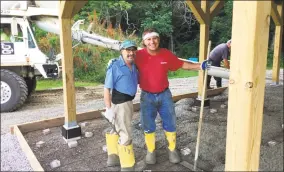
(67, 9)
(204, 15)
(277, 45)
(251, 20)
(203, 44)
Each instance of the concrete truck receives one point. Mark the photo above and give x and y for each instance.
(22, 60)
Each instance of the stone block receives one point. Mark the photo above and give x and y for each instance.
(213, 110)
(46, 131)
(72, 144)
(55, 164)
(39, 144)
(88, 134)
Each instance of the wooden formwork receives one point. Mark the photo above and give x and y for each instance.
(21, 129)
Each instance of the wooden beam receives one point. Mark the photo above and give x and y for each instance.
(278, 40)
(215, 8)
(276, 11)
(251, 20)
(77, 7)
(66, 9)
(203, 44)
(94, 114)
(197, 11)
(27, 150)
(69, 8)
(67, 63)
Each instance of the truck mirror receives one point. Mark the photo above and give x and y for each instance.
(14, 28)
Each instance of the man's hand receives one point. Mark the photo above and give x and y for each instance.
(205, 64)
(109, 115)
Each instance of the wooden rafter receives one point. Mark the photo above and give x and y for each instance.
(197, 11)
(69, 8)
(276, 14)
(215, 8)
(79, 4)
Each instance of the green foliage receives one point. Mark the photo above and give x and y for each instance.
(104, 9)
(269, 64)
(188, 49)
(159, 16)
(127, 19)
(221, 26)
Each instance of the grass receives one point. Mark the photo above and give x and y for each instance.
(57, 83)
(44, 84)
(181, 73)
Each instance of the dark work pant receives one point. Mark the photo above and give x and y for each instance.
(218, 80)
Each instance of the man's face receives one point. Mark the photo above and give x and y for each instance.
(129, 54)
(229, 45)
(6, 30)
(152, 43)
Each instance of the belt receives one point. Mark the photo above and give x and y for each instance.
(156, 92)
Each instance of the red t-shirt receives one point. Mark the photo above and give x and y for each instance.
(153, 70)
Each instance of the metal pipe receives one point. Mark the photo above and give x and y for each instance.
(219, 72)
(214, 71)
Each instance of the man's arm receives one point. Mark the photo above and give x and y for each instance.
(191, 66)
(226, 64)
(107, 97)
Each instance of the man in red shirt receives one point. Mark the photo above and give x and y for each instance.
(153, 64)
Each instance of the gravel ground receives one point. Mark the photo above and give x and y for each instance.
(12, 157)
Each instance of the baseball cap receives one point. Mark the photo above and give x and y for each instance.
(126, 44)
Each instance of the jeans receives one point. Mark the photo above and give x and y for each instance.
(151, 104)
(218, 80)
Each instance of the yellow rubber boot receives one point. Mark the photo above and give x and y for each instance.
(150, 143)
(126, 156)
(112, 151)
(173, 154)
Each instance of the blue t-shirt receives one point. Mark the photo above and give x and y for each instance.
(121, 78)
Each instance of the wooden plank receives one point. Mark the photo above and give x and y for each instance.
(247, 83)
(277, 47)
(215, 8)
(203, 44)
(197, 11)
(209, 93)
(27, 150)
(90, 115)
(55, 122)
(67, 66)
(276, 11)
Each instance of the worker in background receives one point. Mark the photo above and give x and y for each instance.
(217, 55)
(153, 64)
(6, 34)
(122, 79)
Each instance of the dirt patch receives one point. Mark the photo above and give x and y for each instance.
(49, 98)
(90, 156)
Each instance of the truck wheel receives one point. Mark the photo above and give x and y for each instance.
(14, 91)
(31, 83)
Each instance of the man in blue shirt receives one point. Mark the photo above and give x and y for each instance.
(122, 80)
